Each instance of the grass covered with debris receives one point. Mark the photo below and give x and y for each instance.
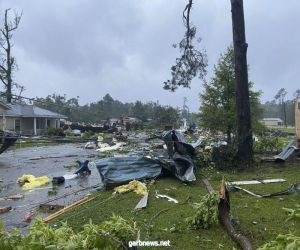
(260, 219)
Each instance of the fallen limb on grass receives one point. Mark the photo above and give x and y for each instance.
(224, 209)
(223, 215)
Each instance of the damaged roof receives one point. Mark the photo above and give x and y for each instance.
(25, 110)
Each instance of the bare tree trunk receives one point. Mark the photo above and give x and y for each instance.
(9, 69)
(7, 61)
(244, 132)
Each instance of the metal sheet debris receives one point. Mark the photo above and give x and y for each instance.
(142, 203)
(288, 151)
(251, 182)
(124, 169)
(293, 188)
(166, 197)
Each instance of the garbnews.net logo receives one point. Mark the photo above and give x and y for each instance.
(140, 243)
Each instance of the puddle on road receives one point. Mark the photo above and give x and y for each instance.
(15, 163)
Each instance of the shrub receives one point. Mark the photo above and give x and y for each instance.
(54, 132)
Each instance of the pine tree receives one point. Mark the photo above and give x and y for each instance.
(218, 103)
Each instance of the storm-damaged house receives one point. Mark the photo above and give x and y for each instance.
(27, 119)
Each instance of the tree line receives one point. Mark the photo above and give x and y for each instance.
(107, 108)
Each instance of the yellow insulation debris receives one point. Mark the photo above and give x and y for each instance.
(135, 186)
(29, 181)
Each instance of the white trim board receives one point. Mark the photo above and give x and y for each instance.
(255, 182)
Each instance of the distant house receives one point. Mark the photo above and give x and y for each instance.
(114, 121)
(27, 119)
(130, 120)
(272, 121)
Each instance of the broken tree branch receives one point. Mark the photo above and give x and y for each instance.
(224, 209)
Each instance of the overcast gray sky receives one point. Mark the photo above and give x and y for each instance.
(88, 48)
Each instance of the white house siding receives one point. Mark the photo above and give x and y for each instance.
(27, 124)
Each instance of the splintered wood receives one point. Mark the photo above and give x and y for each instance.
(297, 121)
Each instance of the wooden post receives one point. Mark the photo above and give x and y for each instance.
(34, 126)
(297, 122)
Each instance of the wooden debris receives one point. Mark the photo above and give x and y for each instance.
(27, 217)
(5, 209)
(68, 208)
(13, 197)
(50, 207)
(224, 209)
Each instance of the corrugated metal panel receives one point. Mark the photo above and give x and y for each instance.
(287, 151)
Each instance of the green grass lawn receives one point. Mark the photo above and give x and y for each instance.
(260, 219)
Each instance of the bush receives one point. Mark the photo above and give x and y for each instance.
(206, 212)
(88, 135)
(268, 145)
(54, 132)
(112, 234)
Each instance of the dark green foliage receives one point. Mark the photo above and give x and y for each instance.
(271, 109)
(223, 157)
(54, 132)
(97, 112)
(88, 135)
(218, 104)
(192, 62)
(283, 242)
(111, 234)
(205, 212)
(268, 145)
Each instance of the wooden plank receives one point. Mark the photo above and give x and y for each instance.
(252, 182)
(67, 208)
(5, 209)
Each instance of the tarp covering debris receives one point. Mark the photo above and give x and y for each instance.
(125, 169)
(179, 163)
(29, 181)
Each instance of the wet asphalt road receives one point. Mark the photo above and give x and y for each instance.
(15, 163)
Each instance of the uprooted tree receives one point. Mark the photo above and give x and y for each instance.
(193, 63)
(7, 61)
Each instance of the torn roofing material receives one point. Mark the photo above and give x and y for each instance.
(124, 169)
(288, 151)
(179, 164)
